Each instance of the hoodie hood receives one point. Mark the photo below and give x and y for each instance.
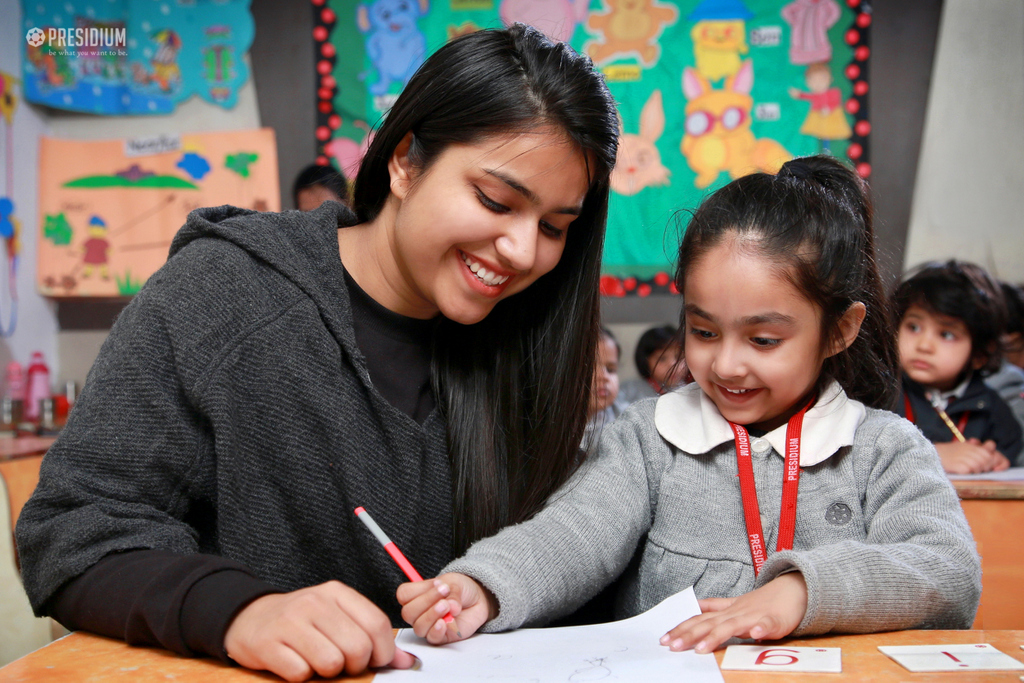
(300, 245)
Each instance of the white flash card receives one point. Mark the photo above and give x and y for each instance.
(782, 658)
(969, 657)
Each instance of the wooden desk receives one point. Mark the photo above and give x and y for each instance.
(995, 511)
(13, 447)
(85, 657)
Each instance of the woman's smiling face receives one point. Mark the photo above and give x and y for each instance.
(482, 222)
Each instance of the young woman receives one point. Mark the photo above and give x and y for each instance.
(428, 357)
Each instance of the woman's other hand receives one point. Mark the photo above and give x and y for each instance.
(320, 630)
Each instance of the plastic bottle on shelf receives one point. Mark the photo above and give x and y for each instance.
(38, 385)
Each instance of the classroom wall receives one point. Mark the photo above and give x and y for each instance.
(969, 201)
(36, 327)
(78, 348)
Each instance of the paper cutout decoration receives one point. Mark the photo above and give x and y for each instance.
(10, 226)
(108, 214)
(134, 56)
(707, 90)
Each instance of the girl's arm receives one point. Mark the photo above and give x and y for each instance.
(583, 538)
(917, 566)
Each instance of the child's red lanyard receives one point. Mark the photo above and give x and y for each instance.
(961, 423)
(790, 484)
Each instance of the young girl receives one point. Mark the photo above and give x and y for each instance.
(952, 315)
(428, 357)
(658, 359)
(604, 391)
(793, 356)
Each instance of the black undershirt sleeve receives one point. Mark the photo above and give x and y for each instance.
(184, 603)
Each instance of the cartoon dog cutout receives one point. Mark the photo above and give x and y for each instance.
(638, 162)
(718, 136)
(394, 42)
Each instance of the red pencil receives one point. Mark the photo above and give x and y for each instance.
(396, 554)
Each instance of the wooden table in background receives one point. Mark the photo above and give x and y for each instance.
(20, 459)
(85, 657)
(995, 511)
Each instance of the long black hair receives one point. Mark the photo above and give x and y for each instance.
(814, 218)
(514, 387)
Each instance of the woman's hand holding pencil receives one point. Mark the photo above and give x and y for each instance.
(424, 604)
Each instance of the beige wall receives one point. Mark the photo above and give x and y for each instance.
(969, 198)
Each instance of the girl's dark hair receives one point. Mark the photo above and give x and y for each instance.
(964, 291)
(605, 333)
(654, 339)
(514, 387)
(814, 218)
(327, 176)
(1014, 297)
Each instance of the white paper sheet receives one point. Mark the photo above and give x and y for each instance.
(626, 650)
(1010, 474)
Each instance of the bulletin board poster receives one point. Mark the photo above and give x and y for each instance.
(121, 57)
(109, 209)
(708, 90)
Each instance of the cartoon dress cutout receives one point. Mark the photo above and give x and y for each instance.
(810, 21)
(826, 120)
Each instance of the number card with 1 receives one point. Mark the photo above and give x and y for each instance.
(968, 657)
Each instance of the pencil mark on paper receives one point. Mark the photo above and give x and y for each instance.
(594, 672)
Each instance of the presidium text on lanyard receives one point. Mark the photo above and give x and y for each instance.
(790, 485)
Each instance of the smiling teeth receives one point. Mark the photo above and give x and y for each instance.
(738, 391)
(485, 276)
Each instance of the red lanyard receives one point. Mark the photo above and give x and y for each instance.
(961, 423)
(790, 484)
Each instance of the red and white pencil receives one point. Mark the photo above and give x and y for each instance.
(396, 554)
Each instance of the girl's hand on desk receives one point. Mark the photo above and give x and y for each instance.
(772, 611)
(424, 603)
(323, 630)
(970, 457)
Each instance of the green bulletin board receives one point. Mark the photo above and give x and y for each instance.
(707, 90)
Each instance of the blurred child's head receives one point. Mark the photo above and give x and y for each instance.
(782, 295)
(317, 184)
(658, 357)
(951, 317)
(1013, 335)
(605, 387)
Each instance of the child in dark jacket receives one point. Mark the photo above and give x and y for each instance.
(951, 317)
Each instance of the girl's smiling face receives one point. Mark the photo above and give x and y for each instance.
(483, 222)
(753, 341)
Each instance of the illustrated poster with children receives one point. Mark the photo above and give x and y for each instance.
(134, 56)
(109, 209)
(708, 90)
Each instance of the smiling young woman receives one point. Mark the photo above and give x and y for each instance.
(428, 357)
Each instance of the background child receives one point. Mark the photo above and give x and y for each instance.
(1008, 380)
(317, 184)
(951, 317)
(658, 359)
(603, 407)
(787, 333)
